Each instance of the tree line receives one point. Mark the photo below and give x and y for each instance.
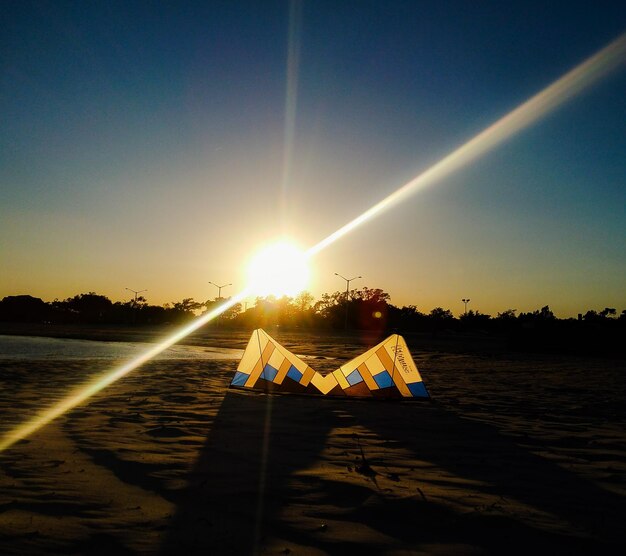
(362, 309)
(596, 332)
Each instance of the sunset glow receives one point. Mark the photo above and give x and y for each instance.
(282, 268)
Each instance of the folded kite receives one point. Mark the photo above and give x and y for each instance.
(385, 371)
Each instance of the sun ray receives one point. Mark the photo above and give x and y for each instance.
(575, 81)
(580, 78)
(85, 391)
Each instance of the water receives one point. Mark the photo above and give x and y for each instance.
(50, 349)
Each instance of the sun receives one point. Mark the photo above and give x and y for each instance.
(278, 269)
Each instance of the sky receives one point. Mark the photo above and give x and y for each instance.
(151, 145)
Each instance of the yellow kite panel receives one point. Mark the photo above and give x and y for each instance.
(324, 383)
(341, 379)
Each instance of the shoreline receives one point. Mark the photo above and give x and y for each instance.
(304, 341)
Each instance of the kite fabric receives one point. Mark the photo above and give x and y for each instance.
(384, 371)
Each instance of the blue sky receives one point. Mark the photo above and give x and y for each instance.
(144, 145)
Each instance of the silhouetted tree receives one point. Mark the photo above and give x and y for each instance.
(187, 305)
(591, 316)
(608, 312)
(542, 315)
(507, 315)
(182, 310)
(304, 301)
(369, 309)
(407, 318)
(441, 314)
(331, 309)
(375, 295)
(87, 307)
(474, 319)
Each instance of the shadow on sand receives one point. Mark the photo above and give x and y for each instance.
(250, 491)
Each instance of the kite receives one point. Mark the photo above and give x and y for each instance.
(385, 371)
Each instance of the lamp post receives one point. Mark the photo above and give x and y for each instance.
(136, 292)
(348, 280)
(465, 301)
(219, 288)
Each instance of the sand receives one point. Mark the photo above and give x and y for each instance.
(514, 453)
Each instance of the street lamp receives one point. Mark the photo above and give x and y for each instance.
(219, 288)
(348, 280)
(465, 301)
(136, 292)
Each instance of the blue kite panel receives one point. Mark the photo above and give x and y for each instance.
(354, 378)
(294, 373)
(269, 373)
(418, 390)
(239, 379)
(383, 379)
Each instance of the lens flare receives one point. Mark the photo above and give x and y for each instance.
(581, 77)
(84, 392)
(572, 83)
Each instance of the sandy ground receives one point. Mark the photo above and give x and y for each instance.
(514, 453)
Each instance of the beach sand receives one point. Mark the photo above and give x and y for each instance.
(514, 453)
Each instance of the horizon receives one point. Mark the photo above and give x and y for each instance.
(251, 301)
(150, 145)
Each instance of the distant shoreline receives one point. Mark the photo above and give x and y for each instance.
(105, 333)
(303, 340)
(238, 338)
